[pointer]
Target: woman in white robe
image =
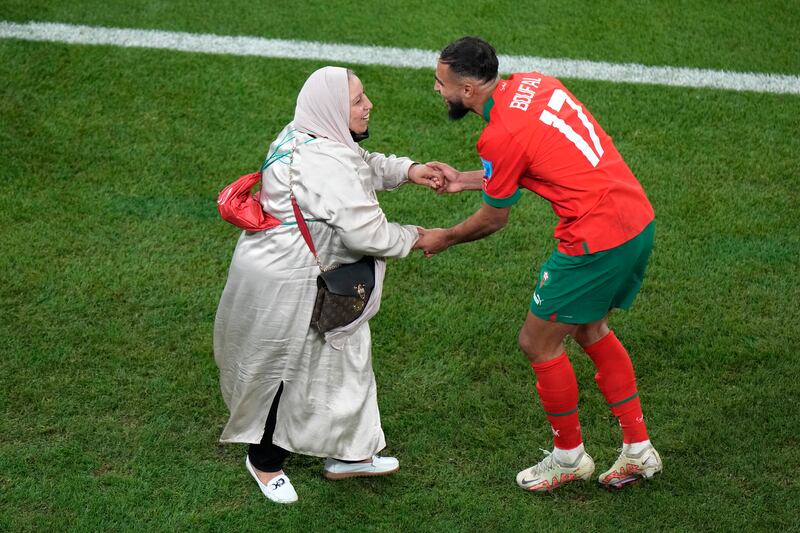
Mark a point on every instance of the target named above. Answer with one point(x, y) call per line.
point(320, 396)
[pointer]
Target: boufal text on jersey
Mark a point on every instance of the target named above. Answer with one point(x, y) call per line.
point(525, 92)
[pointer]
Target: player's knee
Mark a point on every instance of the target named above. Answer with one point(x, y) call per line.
point(587, 334)
point(529, 346)
point(525, 342)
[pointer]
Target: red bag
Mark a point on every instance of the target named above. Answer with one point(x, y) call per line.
point(240, 207)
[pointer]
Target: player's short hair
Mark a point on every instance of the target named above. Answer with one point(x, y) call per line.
point(471, 57)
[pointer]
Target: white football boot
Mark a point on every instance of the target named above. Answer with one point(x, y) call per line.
point(550, 474)
point(630, 468)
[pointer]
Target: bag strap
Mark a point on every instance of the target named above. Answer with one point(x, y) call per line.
point(301, 223)
point(300, 219)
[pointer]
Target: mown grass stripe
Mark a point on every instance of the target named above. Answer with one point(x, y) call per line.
point(395, 57)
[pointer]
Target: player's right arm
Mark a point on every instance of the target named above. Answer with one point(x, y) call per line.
point(482, 223)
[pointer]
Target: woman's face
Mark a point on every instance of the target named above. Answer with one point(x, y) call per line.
point(359, 106)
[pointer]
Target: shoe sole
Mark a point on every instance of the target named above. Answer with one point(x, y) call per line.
point(344, 475)
point(619, 484)
point(551, 488)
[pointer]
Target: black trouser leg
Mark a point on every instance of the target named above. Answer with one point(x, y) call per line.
point(265, 456)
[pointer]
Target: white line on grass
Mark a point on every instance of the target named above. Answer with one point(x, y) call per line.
point(394, 57)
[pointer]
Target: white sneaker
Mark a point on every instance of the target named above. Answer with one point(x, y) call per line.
point(550, 473)
point(379, 466)
point(629, 468)
point(278, 489)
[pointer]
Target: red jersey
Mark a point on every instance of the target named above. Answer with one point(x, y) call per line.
point(541, 138)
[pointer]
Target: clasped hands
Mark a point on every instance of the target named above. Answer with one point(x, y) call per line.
point(442, 178)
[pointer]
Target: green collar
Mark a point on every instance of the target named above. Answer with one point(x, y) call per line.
point(487, 108)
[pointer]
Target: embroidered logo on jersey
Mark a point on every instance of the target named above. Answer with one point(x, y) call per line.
point(503, 86)
point(537, 299)
point(487, 169)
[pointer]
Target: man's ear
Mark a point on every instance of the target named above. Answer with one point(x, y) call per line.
point(469, 90)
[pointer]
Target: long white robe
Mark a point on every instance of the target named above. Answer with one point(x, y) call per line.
point(262, 337)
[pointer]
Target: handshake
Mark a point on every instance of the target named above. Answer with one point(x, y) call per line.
point(442, 178)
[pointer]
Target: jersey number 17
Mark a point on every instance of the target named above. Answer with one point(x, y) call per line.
point(557, 101)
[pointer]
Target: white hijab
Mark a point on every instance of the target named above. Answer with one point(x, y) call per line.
point(323, 106)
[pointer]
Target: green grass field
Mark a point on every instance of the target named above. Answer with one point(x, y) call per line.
point(113, 260)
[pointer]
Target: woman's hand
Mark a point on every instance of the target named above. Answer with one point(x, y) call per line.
point(433, 241)
point(427, 176)
point(452, 178)
point(456, 181)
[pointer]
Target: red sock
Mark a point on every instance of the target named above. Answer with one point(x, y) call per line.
point(617, 382)
point(558, 391)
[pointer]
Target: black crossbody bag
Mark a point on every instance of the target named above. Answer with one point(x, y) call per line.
point(342, 290)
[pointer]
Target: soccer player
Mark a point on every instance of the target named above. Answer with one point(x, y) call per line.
point(539, 137)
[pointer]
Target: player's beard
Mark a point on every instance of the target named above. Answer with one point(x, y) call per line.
point(456, 110)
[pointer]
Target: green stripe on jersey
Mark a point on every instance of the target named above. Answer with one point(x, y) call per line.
point(487, 108)
point(502, 202)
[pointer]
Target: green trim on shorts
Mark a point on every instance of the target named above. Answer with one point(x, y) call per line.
point(584, 288)
point(502, 202)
